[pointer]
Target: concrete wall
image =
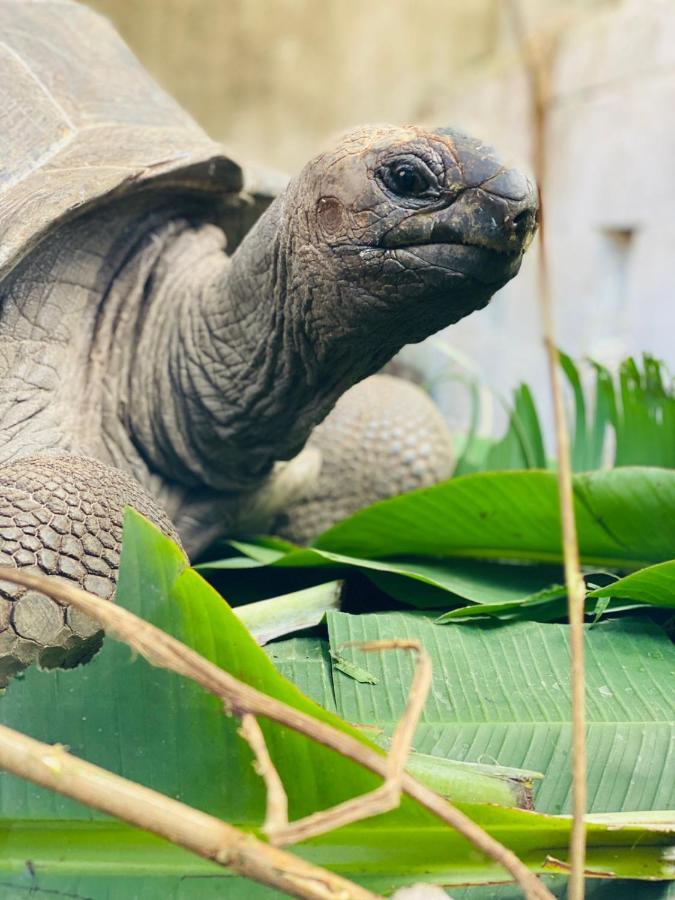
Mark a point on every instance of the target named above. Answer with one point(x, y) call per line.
point(610, 195)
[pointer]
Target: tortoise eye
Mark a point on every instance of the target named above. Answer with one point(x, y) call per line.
point(408, 178)
point(408, 181)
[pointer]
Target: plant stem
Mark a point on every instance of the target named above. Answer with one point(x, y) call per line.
point(54, 768)
point(273, 618)
point(576, 594)
point(538, 60)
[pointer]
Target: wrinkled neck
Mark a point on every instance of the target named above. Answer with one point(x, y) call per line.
point(234, 367)
point(257, 355)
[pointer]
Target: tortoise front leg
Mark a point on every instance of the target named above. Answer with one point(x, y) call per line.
point(385, 436)
point(62, 516)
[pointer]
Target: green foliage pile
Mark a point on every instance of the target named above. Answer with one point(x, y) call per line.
point(472, 568)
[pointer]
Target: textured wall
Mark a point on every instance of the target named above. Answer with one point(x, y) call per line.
point(273, 78)
point(610, 196)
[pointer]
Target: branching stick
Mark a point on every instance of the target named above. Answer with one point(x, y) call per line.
point(382, 799)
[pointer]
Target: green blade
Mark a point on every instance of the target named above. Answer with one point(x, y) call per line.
point(625, 518)
point(654, 585)
point(580, 452)
point(278, 616)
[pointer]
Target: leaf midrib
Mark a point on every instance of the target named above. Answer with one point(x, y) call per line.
point(521, 723)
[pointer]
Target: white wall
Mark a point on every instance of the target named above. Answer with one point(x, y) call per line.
point(610, 198)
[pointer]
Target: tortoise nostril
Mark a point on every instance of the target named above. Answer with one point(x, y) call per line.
point(523, 222)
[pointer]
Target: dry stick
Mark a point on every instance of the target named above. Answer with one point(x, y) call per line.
point(52, 767)
point(401, 744)
point(164, 651)
point(388, 795)
point(276, 813)
point(537, 64)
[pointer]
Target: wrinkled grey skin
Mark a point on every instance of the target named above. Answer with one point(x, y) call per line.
point(332, 281)
point(139, 363)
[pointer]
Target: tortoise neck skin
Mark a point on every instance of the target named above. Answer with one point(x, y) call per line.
point(240, 365)
point(391, 236)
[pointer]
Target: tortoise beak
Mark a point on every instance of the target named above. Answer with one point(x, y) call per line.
point(493, 206)
point(479, 217)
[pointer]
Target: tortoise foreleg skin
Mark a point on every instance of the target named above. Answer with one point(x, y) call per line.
point(61, 516)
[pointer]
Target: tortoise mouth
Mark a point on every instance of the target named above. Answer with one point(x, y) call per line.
point(483, 264)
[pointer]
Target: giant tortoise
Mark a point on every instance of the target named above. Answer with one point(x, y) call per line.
point(171, 332)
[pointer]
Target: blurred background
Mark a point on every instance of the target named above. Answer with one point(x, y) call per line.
point(275, 79)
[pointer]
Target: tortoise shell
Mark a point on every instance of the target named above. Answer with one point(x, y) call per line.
point(83, 122)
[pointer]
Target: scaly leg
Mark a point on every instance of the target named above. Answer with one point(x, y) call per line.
point(385, 436)
point(61, 515)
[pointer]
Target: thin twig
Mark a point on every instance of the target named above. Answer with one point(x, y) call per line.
point(276, 815)
point(388, 795)
point(401, 743)
point(164, 651)
point(54, 768)
point(381, 800)
point(538, 60)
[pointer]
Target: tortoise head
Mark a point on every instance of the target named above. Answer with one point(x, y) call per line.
point(418, 228)
point(380, 242)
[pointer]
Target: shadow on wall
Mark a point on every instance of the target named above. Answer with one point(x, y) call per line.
point(273, 79)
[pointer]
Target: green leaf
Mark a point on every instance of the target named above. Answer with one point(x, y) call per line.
point(602, 604)
point(418, 582)
point(547, 605)
point(595, 889)
point(581, 458)
point(197, 887)
point(544, 606)
point(645, 425)
point(522, 447)
point(654, 585)
point(163, 731)
point(501, 695)
point(261, 551)
point(625, 518)
point(192, 611)
point(306, 661)
point(474, 782)
point(116, 861)
point(441, 583)
point(640, 409)
point(635, 506)
point(605, 415)
point(475, 448)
